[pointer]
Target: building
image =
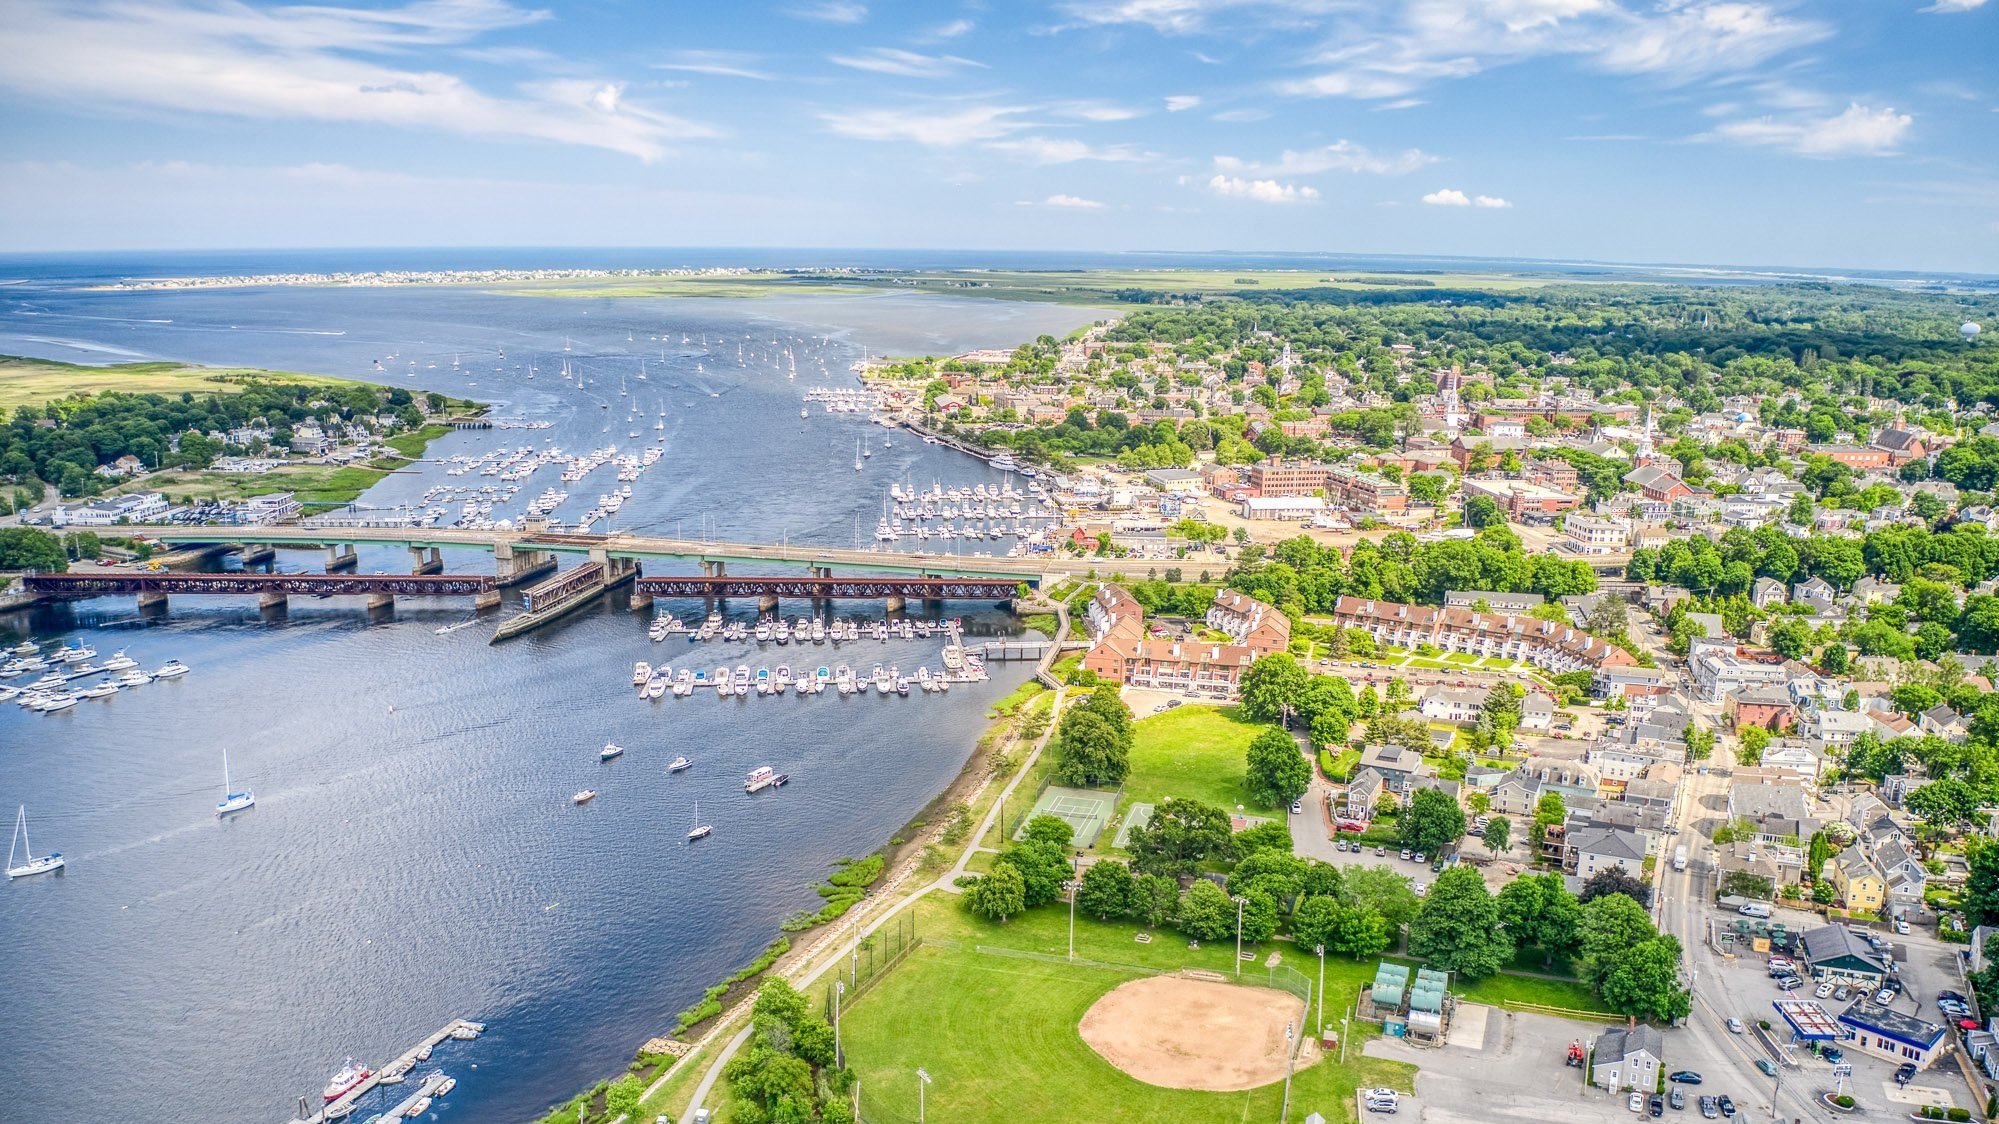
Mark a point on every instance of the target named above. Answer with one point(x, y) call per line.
point(1546, 644)
point(1890, 1034)
point(1458, 705)
point(272, 507)
point(1587, 534)
point(136, 508)
point(1120, 651)
point(1495, 602)
point(1279, 507)
point(1722, 668)
point(1627, 1057)
point(1860, 885)
point(1365, 492)
point(1521, 500)
point(1249, 622)
point(1398, 767)
point(1836, 954)
point(1857, 457)
point(1537, 712)
point(1766, 706)
point(1592, 848)
point(1274, 477)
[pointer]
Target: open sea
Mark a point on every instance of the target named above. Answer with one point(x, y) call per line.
point(413, 856)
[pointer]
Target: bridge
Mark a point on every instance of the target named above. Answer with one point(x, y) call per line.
point(271, 589)
point(532, 553)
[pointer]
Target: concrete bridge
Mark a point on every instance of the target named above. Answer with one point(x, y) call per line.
point(272, 590)
point(523, 555)
point(895, 591)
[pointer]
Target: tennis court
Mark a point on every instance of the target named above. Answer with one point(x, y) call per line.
point(1085, 810)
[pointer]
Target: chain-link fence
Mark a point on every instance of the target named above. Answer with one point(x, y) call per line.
point(873, 955)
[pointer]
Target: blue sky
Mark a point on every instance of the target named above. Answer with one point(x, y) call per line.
point(1856, 133)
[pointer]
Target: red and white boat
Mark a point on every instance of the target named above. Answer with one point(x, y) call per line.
point(344, 1081)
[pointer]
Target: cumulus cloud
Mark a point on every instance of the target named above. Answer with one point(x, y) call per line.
point(1858, 130)
point(1954, 5)
point(904, 64)
point(1448, 197)
point(1177, 102)
point(313, 63)
point(1261, 191)
point(1340, 156)
point(1071, 202)
point(1492, 201)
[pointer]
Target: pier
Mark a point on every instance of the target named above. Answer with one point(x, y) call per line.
point(567, 592)
point(272, 590)
point(340, 1109)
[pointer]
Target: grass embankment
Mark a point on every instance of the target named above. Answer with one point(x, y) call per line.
point(998, 1035)
point(33, 382)
point(317, 486)
point(1191, 753)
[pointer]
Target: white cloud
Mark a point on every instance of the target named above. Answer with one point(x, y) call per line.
point(1954, 5)
point(953, 29)
point(1261, 191)
point(1858, 130)
point(1095, 111)
point(1072, 202)
point(723, 64)
point(1168, 17)
point(1235, 116)
point(1177, 102)
point(906, 64)
point(1340, 156)
point(1491, 201)
point(943, 128)
point(1448, 197)
point(831, 11)
point(1068, 150)
point(309, 63)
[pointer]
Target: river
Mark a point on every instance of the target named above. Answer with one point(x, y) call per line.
point(413, 855)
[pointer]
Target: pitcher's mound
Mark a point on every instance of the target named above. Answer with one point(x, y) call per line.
point(1193, 1034)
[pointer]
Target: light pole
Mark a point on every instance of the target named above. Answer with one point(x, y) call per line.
point(1072, 885)
point(1290, 1063)
point(922, 1079)
point(1321, 950)
point(839, 989)
point(1239, 902)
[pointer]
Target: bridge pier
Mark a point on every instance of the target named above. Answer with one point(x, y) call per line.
point(641, 601)
point(894, 604)
point(426, 562)
point(714, 569)
point(152, 599)
point(767, 603)
point(617, 571)
point(255, 552)
point(518, 565)
point(273, 601)
point(343, 557)
point(485, 601)
point(381, 601)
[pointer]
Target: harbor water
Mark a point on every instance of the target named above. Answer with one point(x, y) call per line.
point(413, 855)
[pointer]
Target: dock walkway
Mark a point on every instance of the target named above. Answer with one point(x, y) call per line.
point(344, 1107)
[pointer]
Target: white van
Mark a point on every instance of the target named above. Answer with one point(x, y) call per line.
point(1754, 909)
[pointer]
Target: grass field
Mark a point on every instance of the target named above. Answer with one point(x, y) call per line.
point(31, 382)
point(998, 1035)
point(1192, 753)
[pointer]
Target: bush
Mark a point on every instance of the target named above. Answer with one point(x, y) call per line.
point(1959, 1114)
point(1843, 1100)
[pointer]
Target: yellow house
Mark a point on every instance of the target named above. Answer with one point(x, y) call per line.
point(1860, 886)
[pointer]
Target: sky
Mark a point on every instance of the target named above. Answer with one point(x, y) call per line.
point(1827, 133)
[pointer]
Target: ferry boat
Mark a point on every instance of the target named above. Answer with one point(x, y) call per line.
point(763, 777)
point(678, 764)
point(584, 797)
point(350, 1075)
point(610, 750)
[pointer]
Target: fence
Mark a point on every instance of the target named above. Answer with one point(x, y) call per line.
point(874, 955)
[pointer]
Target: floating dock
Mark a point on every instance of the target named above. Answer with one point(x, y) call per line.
point(464, 1029)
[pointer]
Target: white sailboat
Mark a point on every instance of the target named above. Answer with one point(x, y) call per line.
point(33, 865)
point(232, 801)
point(699, 830)
point(857, 455)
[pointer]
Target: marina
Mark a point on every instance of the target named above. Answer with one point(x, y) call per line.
point(354, 1082)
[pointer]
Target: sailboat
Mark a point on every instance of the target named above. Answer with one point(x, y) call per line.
point(232, 801)
point(699, 830)
point(857, 454)
point(43, 865)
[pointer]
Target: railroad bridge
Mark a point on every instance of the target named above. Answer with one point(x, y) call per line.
point(271, 589)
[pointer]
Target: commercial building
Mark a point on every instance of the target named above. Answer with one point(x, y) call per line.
point(1587, 534)
point(1836, 954)
point(1890, 1034)
point(1365, 492)
point(1279, 507)
point(1522, 500)
point(1627, 1058)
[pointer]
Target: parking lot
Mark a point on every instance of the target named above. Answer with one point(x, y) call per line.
point(1511, 1071)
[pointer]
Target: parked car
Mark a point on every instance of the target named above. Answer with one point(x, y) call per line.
point(1686, 1077)
point(1885, 996)
point(1726, 1106)
point(1708, 1108)
point(1418, 858)
point(1905, 1073)
point(1790, 983)
point(1833, 1055)
point(1677, 1099)
point(1404, 853)
point(1380, 852)
point(1768, 1067)
point(1901, 927)
point(1297, 807)
point(1823, 991)
point(1657, 1105)
point(1636, 1103)
point(1842, 994)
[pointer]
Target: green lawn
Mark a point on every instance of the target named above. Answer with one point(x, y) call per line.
point(998, 1035)
point(1191, 753)
point(31, 382)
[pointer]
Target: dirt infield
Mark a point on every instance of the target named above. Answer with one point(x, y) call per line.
point(1193, 1034)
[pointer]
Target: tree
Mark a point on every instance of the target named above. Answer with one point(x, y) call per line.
point(1091, 748)
point(1945, 802)
point(1615, 880)
point(1271, 835)
point(1643, 980)
point(24, 548)
point(1154, 899)
point(1359, 933)
point(1206, 913)
point(1498, 835)
point(1482, 511)
point(1043, 868)
point(1548, 811)
point(1106, 891)
point(1181, 834)
point(1609, 925)
point(1277, 773)
point(1053, 830)
point(1259, 916)
point(1981, 889)
point(1270, 687)
point(1610, 616)
point(1457, 928)
point(1280, 874)
point(998, 895)
point(1538, 910)
point(1315, 920)
point(1431, 822)
point(1383, 891)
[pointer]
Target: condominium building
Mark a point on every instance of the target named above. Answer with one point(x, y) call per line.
point(1548, 644)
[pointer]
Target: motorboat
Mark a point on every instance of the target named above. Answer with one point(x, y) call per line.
point(119, 661)
point(172, 669)
point(133, 678)
point(584, 797)
point(655, 687)
point(100, 691)
point(763, 681)
point(350, 1075)
point(610, 750)
point(641, 671)
point(678, 765)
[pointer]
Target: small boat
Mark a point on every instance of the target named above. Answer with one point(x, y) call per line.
point(350, 1075)
point(763, 777)
point(172, 669)
point(421, 1106)
point(641, 671)
point(678, 764)
point(100, 691)
point(656, 686)
point(445, 1086)
point(232, 801)
point(31, 865)
point(584, 797)
point(423, 1055)
point(763, 681)
point(699, 830)
point(119, 661)
point(610, 750)
point(467, 1030)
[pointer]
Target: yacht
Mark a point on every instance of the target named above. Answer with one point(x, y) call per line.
point(880, 680)
point(818, 632)
point(1005, 463)
point(781, 682)
point(723, 687)
point(740, 682)
point(610, 750)
point(641, 671)
point(820, 679)
point(30, 865)
point(350, 1075)
point(172, 669)
point(584, 797)
point(119, 661)
point(843, 680)
point(24, 648)
point(683, 684)
point(763, 681)
point(56, 703)
point(678, 764)
point(763, 631)
point(100, 691)
point(763, 777)
point(655, 687)
point(133, 678)
point(74, 655)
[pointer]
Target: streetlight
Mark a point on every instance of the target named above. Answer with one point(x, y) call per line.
point(1072, 885)
point(1321, 951)
point(839, 989)
point(922, 1079)
point(1240, 901)
point(1290, 1063)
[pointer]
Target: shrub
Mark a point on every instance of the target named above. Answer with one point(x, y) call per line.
point(1959, 1114)
point(1843, 1100)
